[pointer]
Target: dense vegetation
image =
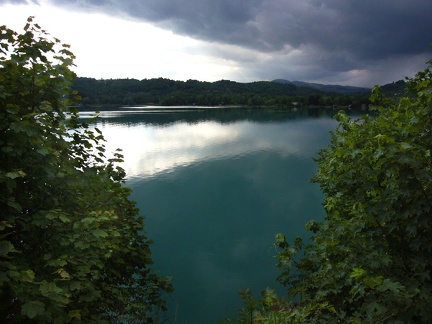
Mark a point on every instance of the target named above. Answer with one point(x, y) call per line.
point(331, 88)
point(72, 247)
point(395, 89)
point(167, 92)
point(370, 260)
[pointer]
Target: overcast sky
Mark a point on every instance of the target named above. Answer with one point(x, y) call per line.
point(349, 42)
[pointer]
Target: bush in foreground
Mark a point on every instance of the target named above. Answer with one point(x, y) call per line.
point(72, 247)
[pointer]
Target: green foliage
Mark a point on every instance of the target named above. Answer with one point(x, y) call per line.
point(268, 310)
point(72, 247)
point(370, 258)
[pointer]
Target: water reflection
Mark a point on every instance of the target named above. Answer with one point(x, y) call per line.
point(150, 148)
point(164, 116)
point(215, 187)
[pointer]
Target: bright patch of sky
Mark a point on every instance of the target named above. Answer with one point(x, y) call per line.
point(111, 47)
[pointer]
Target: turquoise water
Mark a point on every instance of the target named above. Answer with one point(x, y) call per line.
point(215, 187)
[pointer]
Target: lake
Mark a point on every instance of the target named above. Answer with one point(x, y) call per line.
point(215, 186)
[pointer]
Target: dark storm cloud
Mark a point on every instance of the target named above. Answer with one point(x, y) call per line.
point(369, 28)
point(343, 35)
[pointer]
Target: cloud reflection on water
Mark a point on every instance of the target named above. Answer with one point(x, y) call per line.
point(150, 150)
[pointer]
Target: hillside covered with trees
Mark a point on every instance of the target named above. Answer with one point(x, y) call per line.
point(166, 92)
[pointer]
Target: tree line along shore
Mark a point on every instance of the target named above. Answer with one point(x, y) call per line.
point(166, 92)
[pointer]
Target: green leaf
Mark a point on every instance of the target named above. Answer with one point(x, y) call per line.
point(4, 225)
point(99, 233)
point(6, 247)
point(32, 309)
point(64, 218)
point(13, 204)
point(75, 285)
point(75, 314)
point(47, 288)
point(88, 220)
point(395, 287)
point(16, 174)
point(375, 307)
point(405, 145)
point(62, 273)
point(27, 276)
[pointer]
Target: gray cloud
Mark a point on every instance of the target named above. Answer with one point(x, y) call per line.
point(339, 35)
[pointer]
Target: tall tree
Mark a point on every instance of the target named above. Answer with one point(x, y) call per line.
point(72, 245)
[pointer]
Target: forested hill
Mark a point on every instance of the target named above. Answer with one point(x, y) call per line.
point(332, 88)
point(168, 92)
point(394, 89)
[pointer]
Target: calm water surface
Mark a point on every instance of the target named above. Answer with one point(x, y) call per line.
point(215, 187)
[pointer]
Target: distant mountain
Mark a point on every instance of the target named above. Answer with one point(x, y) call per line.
point(325, 87)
